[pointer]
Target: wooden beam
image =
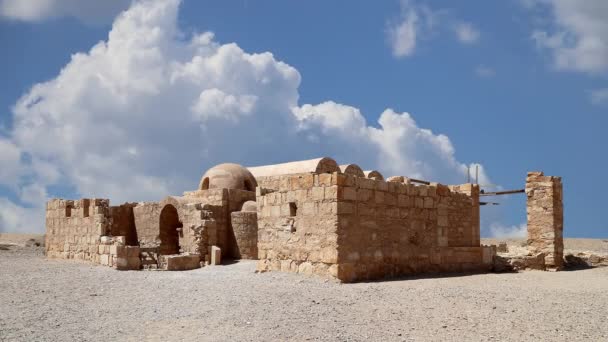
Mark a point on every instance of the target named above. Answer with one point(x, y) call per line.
point(419, 181)
point(507, 192)
point(488, 203)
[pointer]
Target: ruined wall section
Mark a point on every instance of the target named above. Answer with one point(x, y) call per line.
point(74, 228)
point(545, 217)
point(146, 217)
point(122, 223)
point(466, 229)
point(245, 228)
point(224, 201)
point(297, 224)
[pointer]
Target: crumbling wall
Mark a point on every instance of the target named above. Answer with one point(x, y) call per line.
point(545, 217)
point(354, 228)
point(224, 202)
point(74, 228)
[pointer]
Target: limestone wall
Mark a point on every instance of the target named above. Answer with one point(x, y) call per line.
point(146, 216)
point(298, 225)
point(545, 217)
point(224, 202)
point(122, 223)
point(245, 228)
point(74, 228)
point(392, 228)
point(354, 228)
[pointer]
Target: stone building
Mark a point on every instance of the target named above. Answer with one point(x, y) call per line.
point(311, 217)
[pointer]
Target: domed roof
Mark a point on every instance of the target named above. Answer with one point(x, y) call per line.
point(250, 206)
point(228, 176)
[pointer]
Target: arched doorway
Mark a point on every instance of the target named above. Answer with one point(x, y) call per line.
point(168, 230)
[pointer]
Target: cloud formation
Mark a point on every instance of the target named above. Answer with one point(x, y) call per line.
point(577, 35)
point(484, 71)
point(599, 97)
point(146, 112)
point(466, 33)
point(509, 232)
point(403, 33)
point(417, 21)
point(94, 12)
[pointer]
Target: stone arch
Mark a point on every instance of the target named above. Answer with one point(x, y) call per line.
point(169, 228)
point(205, 184)
point(373, 174)
point(249, 186)
point(353, 170)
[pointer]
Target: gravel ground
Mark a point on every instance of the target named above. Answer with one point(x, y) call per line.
point(58, 300)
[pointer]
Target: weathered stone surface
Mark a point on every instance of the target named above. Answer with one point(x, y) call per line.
point(245, 230)
point(369, 229)
point(181, 262)
point(545, 217)
point(216, 255)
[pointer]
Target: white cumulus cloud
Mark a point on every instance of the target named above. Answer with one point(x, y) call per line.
point(94, 12)
point(144, 113)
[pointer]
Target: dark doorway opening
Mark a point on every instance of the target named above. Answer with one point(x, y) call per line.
point(169, 233)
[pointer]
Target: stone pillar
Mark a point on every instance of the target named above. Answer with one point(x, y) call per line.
point(545, 217)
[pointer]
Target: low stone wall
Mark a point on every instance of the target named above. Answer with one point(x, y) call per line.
point(114, 253)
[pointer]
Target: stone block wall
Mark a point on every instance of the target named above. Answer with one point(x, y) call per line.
point(545, 217)
point(224, 202)
point(298, 224)
point(354, 228)
point(245, 228)
point(122, 223)
point(74, 228)
point(472, 191)
point(146, 216)
point(114, 253)
point(388, 229)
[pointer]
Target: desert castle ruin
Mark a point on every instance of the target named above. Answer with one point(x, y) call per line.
point(311, 217)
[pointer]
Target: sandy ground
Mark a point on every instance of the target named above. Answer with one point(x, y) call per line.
point(59, 300)
point(597, 246)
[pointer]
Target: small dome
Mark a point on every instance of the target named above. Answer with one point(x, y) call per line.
point(250, 206)
point(228, 176)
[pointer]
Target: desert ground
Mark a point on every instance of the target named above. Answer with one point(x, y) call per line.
point(59, 300)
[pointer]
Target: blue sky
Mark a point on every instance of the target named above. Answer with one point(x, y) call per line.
point(512, 85)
